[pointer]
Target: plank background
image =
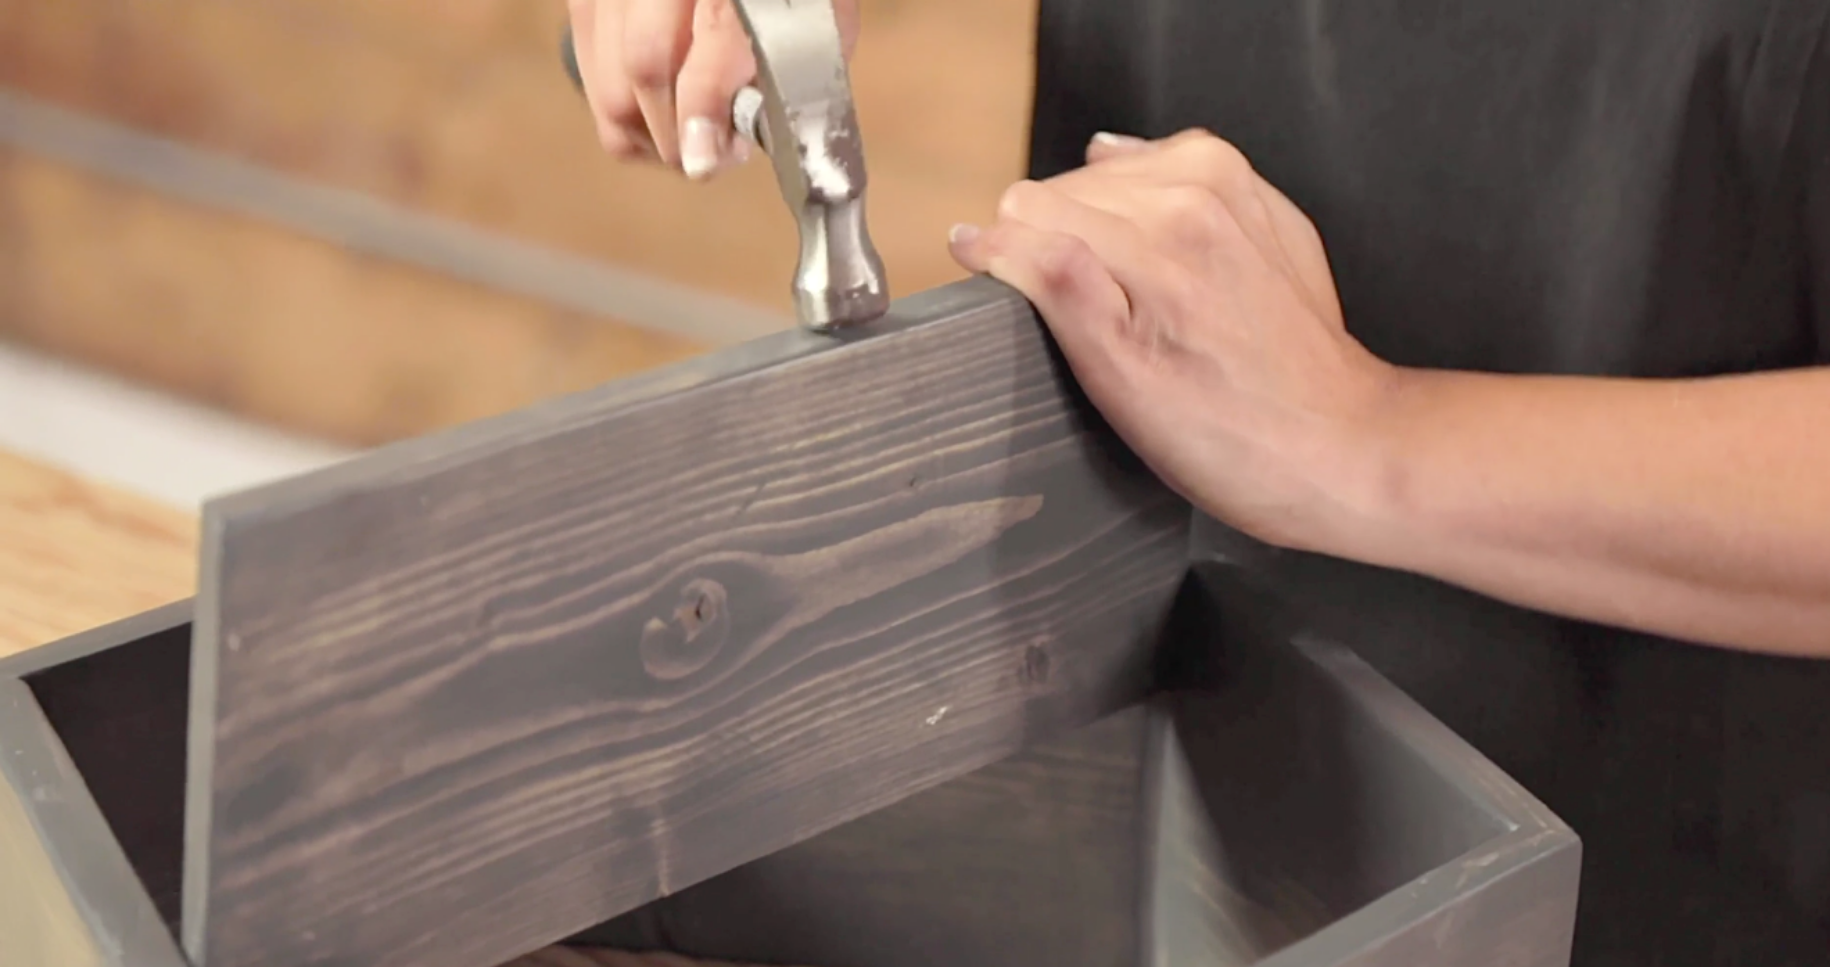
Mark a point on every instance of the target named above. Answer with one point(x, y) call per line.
point(456, 108)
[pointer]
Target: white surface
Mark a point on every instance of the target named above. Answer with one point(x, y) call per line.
point(109, 430)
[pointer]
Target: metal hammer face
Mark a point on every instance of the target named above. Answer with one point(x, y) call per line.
point(809, 127)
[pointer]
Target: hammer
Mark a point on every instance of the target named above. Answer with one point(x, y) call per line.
point(802, 116)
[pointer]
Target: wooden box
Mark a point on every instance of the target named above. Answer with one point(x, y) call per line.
point(863, 651)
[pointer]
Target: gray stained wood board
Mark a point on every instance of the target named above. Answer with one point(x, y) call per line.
point(473, 692)
point(1310, 814)
point(1279, 804)
point(1032, 861)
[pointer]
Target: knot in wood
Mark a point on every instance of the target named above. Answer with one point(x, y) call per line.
point(1035, 664)
point(689, 637)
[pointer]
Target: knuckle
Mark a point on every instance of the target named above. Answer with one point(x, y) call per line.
point(649, 62)
point(1021, 199)
point(1218, 163)
point(710, 78)
point(617, 143)
point(648, 73)
point(611, 141)
point(1063, 261)
point(714, 15)
point(619, 108)
point(1197, 215)
point(1221, 156)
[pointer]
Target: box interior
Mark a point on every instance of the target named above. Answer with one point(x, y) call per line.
point(122, 714)
point(1250, 806)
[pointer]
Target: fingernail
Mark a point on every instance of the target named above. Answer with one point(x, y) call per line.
point(740, 151)
point(1111, 140)
point(962, 234)
point(699, 147)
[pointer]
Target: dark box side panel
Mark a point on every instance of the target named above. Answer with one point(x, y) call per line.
point(1309, 794)
point(122, 714)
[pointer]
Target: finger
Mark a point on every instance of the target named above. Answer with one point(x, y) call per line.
point(847, 13)
point(584, 55)
point(597, 45)
point(1192, 170)
point(1190, 157)
point(1118, 241)
point(1150, 281)
point(719, 62)
point(656, 36)
point(1107, 144)
point(1071, 287)
point(1276, 227)
point(1189, 217)
point(581, 19)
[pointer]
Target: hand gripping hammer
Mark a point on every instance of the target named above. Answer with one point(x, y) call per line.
point(801, 113)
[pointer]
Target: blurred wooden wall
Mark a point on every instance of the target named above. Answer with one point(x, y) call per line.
point(450, 108)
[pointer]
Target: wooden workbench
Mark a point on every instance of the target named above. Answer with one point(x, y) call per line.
point(75, 554)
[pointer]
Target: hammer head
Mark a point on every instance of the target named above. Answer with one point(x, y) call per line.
point(805, 120)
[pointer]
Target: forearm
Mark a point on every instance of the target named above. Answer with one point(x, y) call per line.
point(1698, 509)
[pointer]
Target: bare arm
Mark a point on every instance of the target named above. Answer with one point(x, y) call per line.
point(1698, 509)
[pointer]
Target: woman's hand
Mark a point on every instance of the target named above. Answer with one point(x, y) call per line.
point(660, 76)
point(1195, 305)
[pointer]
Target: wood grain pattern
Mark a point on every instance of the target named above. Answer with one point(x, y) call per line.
point(75, 554)
point(1281, 806)
point(473, 692)
point(275, 326)
point(1034, 861)
point(82, 855)
point(460, 108)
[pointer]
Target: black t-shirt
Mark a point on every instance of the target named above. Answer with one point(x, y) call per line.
point(1619, 187)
